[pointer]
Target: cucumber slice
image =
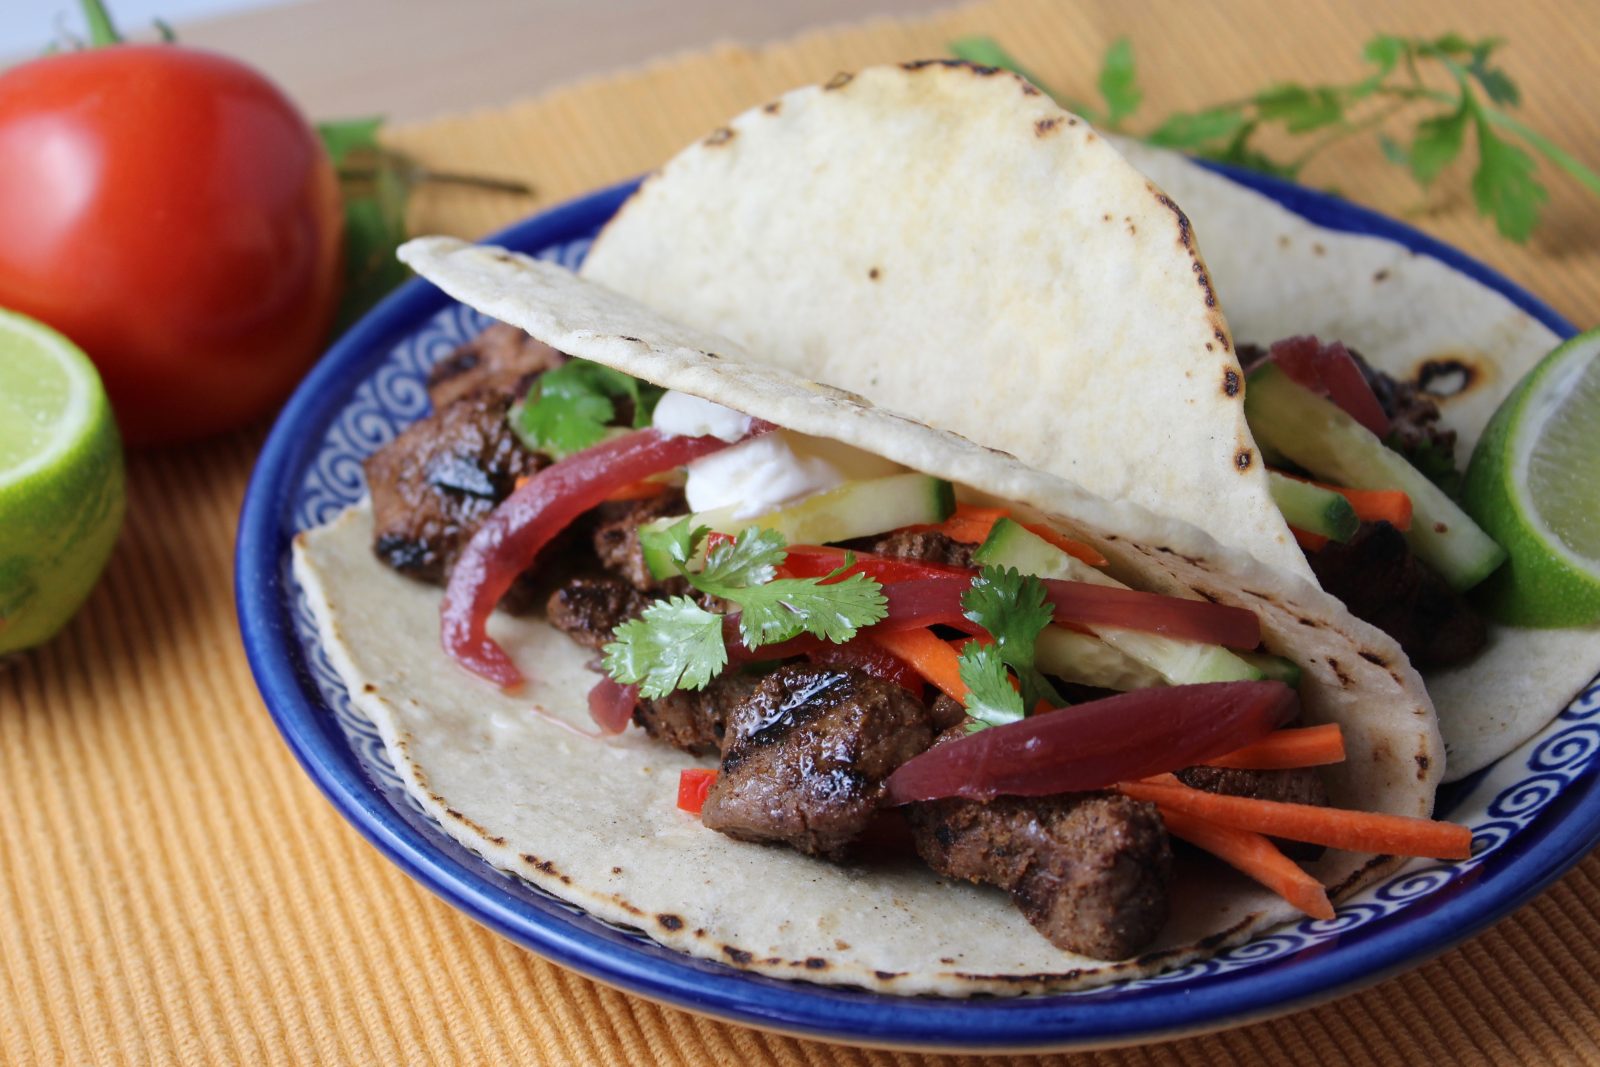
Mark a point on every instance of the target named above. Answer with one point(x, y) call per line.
point(1317, 435)
point(854, 509)
point(1273, 668)
point(1009, 544)
point(1312, 508)
point(1087, 660)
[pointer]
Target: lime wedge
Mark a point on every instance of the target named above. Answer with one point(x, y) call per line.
point(61, 482)
point(1534, 485)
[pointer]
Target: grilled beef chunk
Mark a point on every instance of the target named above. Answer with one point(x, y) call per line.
point(616, 536)
point(1300, 786)
point(928, 545)
point(695, 719)
point(1089, 870)
point(501, 359)
point(806, 755)
point(945, 712)
point(1380, 581)
point(588, 609)
point(433, 485)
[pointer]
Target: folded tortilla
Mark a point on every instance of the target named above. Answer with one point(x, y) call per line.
point(593, 820)
point(943, 239)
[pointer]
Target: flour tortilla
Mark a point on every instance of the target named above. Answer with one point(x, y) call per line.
point(948, 242)
point(594, 821)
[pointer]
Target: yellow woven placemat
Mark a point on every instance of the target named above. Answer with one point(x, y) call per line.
point(174, 890)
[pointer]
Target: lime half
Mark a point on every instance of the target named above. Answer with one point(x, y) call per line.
point(1534, 485)
point(61, 487)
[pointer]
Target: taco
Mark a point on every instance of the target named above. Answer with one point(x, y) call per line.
point(943, 239)
point(812, 700)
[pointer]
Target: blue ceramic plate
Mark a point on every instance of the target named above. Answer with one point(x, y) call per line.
point(1533, 814)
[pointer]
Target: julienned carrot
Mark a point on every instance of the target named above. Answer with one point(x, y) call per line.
point(1355, 831)
point(1075, 549)
point(1309, 541)
point(641, 490)
point(1392, 506)
point(1307, 746)
point(1254, 855)
point(971, 524)
point(930, 657)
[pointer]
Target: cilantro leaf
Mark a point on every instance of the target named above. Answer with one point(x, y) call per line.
point(1299, 108)
point(1503, 185)
point(675, 644)
point(1193, 129)
point(1437, 143)
point(991, 701)
point(1014, 608)
point(750, 559)
point(677, 543)
point(790, 607)
point(568, 409)
point(1118, 87)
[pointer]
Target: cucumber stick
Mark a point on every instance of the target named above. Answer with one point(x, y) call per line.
point(1176, 661)
point(1312, 508)
point(854, 509)
point(1317, 435)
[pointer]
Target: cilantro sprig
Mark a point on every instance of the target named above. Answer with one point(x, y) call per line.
point(677, 644)
point(1446, 87)
point(570, 408)
point(1014, 608)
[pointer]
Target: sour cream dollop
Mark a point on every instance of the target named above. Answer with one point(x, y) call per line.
point(764, 473)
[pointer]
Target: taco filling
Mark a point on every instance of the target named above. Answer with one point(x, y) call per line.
point(877, 659)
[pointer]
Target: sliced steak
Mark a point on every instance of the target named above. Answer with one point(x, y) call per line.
point(695, 719)
point(501, 359)
point(805, 757)
point(1381, 581)
point(1300, 786)
point(589, 609)
point(433, 485)
point(616, 536)
point(930, 546)
point(1090, 871)
point(945, 712)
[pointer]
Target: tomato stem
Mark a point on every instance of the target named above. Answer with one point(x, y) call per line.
point(102, 31)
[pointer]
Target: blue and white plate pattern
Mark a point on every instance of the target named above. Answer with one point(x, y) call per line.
point(1533, 814)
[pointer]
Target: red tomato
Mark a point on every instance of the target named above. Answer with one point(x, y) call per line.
point(170, 211)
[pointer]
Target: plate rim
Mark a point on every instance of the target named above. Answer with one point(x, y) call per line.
point(1555, 840)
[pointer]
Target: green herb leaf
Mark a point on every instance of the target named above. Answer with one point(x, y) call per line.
point(1386, 51)
point(675, 644)
point(375, 186)
point(1436, 144)
point(750, 559)
point(677, 542)
point(1194, 129)
point(1015, 609)
point(991, 701)
point(1118, 87)
point(1300, 109)
point(1503, 185)
point(789, 607)
point(570, 408)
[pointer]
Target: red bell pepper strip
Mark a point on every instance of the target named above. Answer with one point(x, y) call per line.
point(526, 521)
point(693, 785)
point(818, 561)
point(1098, 744)
point(870, 658)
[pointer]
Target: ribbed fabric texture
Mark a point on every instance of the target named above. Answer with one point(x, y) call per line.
point(174, 890)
